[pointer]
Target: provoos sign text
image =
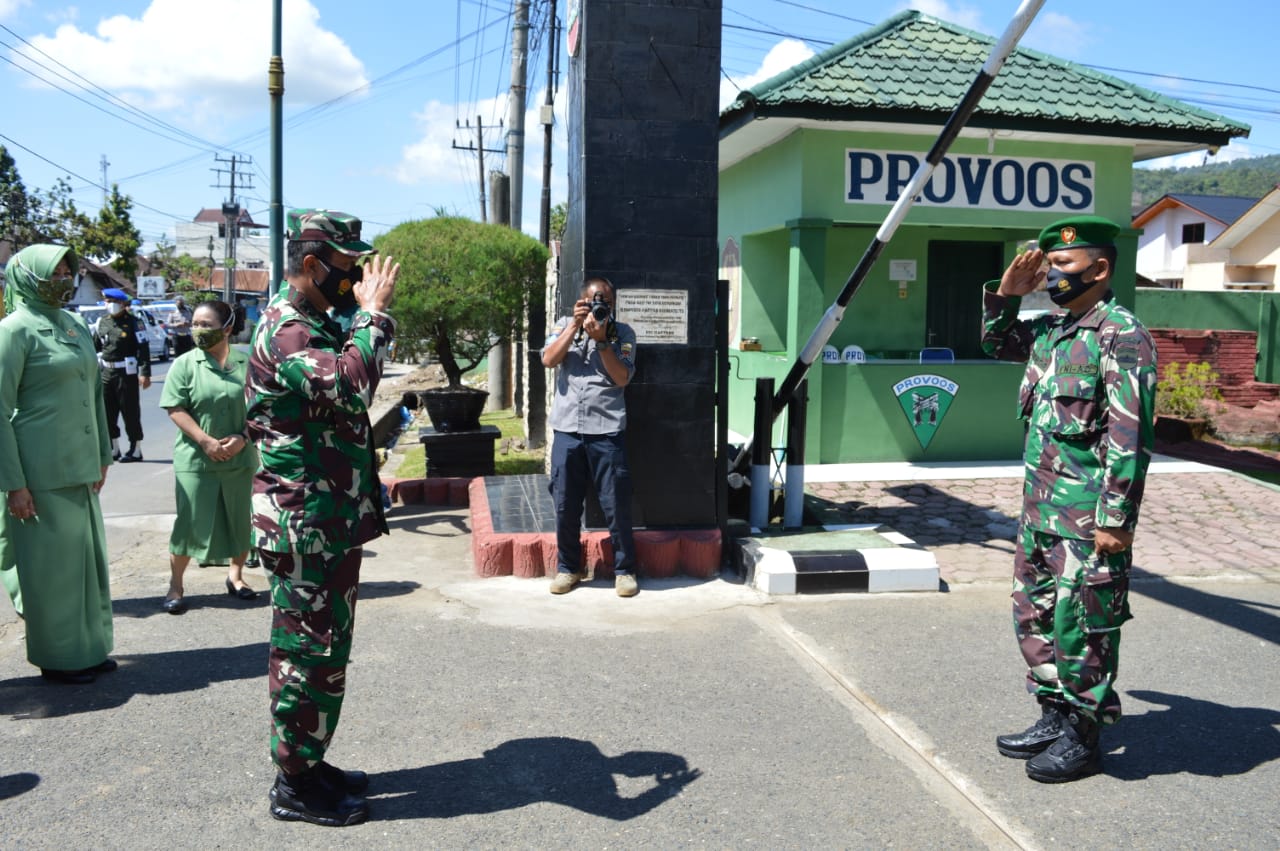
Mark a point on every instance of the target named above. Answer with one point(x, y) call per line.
point(974, 181)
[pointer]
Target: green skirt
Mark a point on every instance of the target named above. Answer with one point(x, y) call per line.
point(214, 514)
point(62, 568)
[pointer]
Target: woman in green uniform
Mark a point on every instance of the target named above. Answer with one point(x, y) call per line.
point(213, 463)
point(54, 454)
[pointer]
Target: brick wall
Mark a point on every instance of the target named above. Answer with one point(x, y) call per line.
point(1231, 354)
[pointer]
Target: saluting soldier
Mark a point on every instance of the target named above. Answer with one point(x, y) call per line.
point(124, 355)
point(1088, 401)
point(316, 496)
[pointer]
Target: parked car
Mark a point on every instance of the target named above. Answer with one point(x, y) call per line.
point(158, 336)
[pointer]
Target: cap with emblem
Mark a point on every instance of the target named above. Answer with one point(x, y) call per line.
point(1078, 232)
point(114, 295)
point(338, 230)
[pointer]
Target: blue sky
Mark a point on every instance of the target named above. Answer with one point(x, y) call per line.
point(374, 90)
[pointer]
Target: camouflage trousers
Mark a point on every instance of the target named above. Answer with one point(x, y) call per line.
point(313, 606)
point(1068, 604)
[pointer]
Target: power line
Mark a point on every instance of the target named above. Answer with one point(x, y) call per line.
point(109, 95)
point(92, 183)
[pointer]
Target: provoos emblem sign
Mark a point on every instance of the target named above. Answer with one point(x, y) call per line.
point(925, 399)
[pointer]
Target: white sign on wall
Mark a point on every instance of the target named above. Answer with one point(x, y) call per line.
point(657, 316)
point(972, 181)
point(150, 286)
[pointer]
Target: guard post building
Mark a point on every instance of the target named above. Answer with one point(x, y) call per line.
point(812, 160)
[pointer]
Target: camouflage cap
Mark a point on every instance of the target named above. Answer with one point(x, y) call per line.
point(339, 230)
point(1078, 232)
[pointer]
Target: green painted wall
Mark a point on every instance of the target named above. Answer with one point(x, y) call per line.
point(764, 288)
point(862, 420)
point(1222, 311)
point(823, 174)
point(776, 205)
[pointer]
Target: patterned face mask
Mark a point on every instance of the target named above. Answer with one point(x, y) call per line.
point(207, 338)
point(56, 292)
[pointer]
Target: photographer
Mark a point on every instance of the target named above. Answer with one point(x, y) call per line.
point(596, 359)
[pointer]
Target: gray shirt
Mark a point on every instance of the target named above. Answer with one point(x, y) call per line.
point(587, 401)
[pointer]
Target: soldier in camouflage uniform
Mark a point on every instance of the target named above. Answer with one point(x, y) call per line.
point(316, 495)
point(1088, 401)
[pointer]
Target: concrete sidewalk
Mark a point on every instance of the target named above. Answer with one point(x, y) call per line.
point(492, 714)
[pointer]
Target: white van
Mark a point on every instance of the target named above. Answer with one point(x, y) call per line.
point(158, 337)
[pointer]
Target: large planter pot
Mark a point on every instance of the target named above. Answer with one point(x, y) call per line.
point(1179, 429)
point(454, 408)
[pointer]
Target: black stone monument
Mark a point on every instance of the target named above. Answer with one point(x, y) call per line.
point(643, 183)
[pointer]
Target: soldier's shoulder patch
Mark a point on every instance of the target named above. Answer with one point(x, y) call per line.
point(626, 350)
point(1128, 351)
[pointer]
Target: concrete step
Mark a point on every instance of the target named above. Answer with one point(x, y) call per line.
point(866, 558)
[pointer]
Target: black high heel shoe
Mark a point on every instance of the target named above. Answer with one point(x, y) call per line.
point(244, 592)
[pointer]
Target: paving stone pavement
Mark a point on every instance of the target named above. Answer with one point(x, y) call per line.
point(1192, 524)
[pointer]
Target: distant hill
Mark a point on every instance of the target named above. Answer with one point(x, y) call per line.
point(1249, 178)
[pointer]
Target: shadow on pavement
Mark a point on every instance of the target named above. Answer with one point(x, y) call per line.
point(1193, 736)
point(388, 588)
point(13, 785)
point(934, 517)
point(1244, 615)
point(170, 672)
point(420, 520)
point(525, 771)
point(145, 607)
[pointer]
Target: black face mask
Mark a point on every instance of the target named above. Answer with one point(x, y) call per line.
point(338, 285)
point(1066, 287)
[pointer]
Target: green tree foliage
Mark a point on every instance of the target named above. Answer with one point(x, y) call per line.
point(55, 217)
point(559, 220)
point(15, 205)
point(1249, 178)
point(463, 286)
point(113, 236)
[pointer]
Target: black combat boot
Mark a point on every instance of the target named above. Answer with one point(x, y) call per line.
point(352, 781)
point(1039, 735)
point(310, 797)
point(1074, 755)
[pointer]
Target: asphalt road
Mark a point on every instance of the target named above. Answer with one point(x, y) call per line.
point(491, 714)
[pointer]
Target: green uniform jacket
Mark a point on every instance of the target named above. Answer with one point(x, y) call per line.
point(309, 388)
point(124, 336)
point(1088, 400)
point(50, 403)
point(214, 397)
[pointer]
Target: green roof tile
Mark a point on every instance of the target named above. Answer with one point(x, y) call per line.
point(915, 68)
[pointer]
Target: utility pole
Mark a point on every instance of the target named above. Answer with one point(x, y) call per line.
point(480, 149)
point(500, 360)
point(103, 164)
point(275, 88)
point(231, 212)
point(499, 355)
point(515, 107)
point(536, 421)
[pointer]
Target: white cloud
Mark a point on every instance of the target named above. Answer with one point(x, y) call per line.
point(432, 157)
point(1235, 151)
point(203, 60)
point(1060, 35)
point(9, 7)
point(965, 16)
point(780, 57)
point(446, 171)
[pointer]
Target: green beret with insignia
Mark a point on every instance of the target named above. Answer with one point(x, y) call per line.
point(1078, 232)
point(339, 230)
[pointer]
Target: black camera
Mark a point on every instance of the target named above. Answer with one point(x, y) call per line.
point(600, 309)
